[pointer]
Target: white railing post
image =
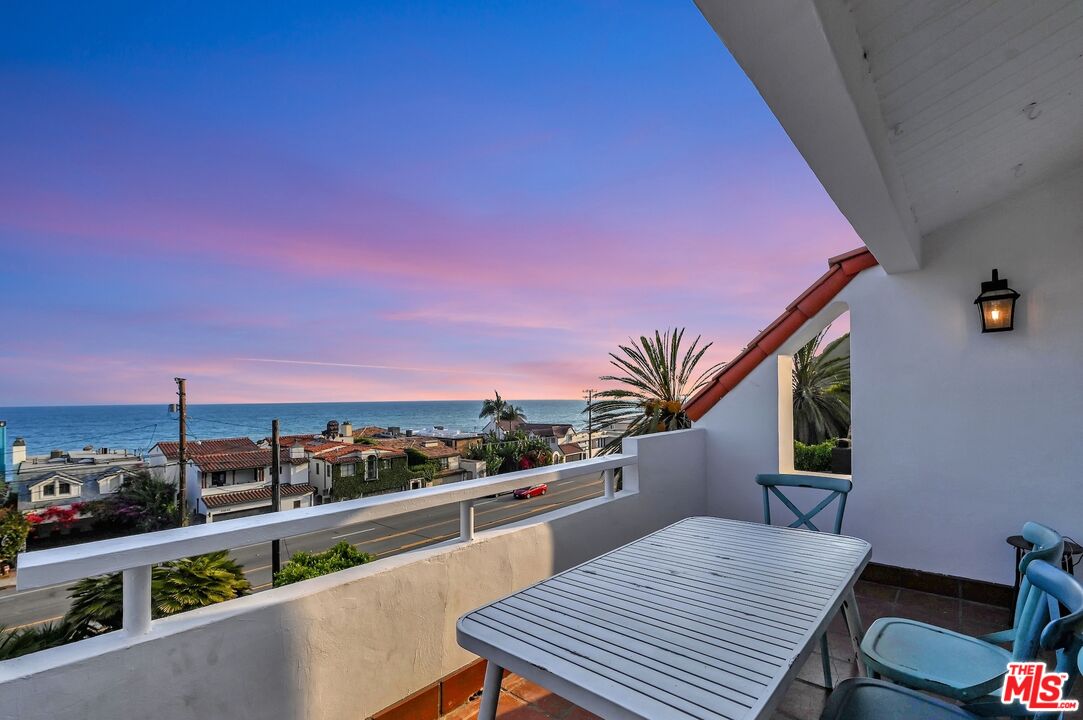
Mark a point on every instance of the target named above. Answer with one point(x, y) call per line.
point(136, 599)
point(610, 484)
point(466, 520)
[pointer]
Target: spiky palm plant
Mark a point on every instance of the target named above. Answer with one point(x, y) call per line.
point(23, 641)
point(198, 581)
point(177, 586)
point(821, 390)
point(657, 376)
point(96, 604)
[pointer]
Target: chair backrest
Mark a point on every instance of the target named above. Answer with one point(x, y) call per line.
point(1060, 631)
point(1048, 546)
point(836, 487)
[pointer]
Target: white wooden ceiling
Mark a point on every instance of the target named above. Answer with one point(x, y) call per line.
point(980, 97)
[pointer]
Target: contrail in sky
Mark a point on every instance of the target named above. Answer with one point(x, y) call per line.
point(401, 368)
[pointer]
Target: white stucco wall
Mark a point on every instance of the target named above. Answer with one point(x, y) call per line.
point(959, 437)
point(349, 644)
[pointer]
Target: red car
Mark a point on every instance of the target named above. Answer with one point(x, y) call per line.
point(529, 492)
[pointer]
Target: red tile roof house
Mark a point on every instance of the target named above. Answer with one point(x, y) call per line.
point(231, 477)
point(949, 157)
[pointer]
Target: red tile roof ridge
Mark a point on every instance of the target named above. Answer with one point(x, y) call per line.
point(841, 269)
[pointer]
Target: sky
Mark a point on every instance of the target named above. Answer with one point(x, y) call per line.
point(302, 202)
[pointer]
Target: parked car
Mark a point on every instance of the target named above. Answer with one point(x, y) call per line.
point(529, 492)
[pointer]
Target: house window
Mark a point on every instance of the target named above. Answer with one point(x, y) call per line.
point(218, 479)
point(49, 490)
point(385, 464)
point(347, 469)
point(65, 488)
point(317, 468)
point(296, 504)
point(443, 463)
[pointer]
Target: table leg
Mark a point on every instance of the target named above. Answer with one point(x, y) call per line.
point(854, 628)
point(490, 694)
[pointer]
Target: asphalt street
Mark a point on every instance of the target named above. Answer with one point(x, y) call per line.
point(388, 536)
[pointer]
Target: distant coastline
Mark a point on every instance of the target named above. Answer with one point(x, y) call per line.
point(138, 427)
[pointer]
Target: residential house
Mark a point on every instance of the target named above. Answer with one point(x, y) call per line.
point(64, 477)
point(429, 450)
point(552, 433)
point(231, 477)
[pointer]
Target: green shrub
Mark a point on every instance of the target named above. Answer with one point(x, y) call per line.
point(304, 565)
point(813, 458)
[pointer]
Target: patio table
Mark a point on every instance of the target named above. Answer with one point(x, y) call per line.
point(706, 618)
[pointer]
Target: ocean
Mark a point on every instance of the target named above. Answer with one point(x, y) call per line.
point(139, 427)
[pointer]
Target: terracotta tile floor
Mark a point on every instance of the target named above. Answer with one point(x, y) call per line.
point(521, 699)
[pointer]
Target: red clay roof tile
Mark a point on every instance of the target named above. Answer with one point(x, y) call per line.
point(841, 269)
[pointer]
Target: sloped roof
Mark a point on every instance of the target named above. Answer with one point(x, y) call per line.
point(841, 270)
point(429, 447)
point(208, 447)
point(255, 495)
point(571, 448)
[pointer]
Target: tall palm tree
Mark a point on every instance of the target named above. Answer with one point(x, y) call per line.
point(493, 407)
point(658, 376)
point(500, 409)
point(513, 413)
point(821, 390)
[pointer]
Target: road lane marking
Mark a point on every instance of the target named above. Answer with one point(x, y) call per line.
point(356, 532)
point(36, 622)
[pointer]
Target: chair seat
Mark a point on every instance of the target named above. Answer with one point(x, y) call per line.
point(865, 699)
point(927, 657)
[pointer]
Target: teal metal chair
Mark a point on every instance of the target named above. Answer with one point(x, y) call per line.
point(963, 668)
point(837, 488)
point(868, 699)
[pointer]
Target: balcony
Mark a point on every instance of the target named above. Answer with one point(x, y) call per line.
point(309, 649)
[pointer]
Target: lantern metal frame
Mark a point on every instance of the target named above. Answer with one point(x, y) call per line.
point(996, 289)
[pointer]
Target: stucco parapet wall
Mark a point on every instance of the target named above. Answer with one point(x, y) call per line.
point(841, 270)
point(390, 624)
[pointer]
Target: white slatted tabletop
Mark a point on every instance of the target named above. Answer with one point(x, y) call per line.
point(707, 618)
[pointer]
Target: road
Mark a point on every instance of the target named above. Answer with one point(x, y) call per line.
point(388, 536)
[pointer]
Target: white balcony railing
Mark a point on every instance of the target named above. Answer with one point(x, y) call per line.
point(135, 555)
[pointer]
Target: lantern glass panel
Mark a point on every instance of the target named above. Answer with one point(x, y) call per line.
point(997, 311)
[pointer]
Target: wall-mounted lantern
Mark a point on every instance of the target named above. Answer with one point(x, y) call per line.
point(996, 305)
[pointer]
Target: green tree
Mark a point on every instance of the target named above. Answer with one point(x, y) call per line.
point(657, 375)
point(821, 390)
point(14, 529)
point(304, 565)
point(499, 409)
point(142, 502)
point(198, 581)
point(176, 586)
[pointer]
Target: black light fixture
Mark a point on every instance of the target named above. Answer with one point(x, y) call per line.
point(996, 305)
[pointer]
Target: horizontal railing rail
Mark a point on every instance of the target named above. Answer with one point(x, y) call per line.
point(134, 555)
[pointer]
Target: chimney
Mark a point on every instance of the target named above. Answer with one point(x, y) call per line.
point(56, 454)
point(347, 429)
point(297, 451)
point(18, 451)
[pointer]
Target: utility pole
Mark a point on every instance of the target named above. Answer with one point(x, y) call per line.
point(276, 494)
point(182, 454)
point(589, 397)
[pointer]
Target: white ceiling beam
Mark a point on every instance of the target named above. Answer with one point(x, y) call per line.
point(807, 62)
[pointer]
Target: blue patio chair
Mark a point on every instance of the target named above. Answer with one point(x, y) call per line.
point(868, 699)
point(958, 666)
point(837, 489)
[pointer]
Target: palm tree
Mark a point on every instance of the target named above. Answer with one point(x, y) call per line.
point(658, 376)
point(177, 586)
point(513, 414)
point(493, 408)
point(23, 641)
point(198, 581)
point(500, 410)
point(821, 390)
